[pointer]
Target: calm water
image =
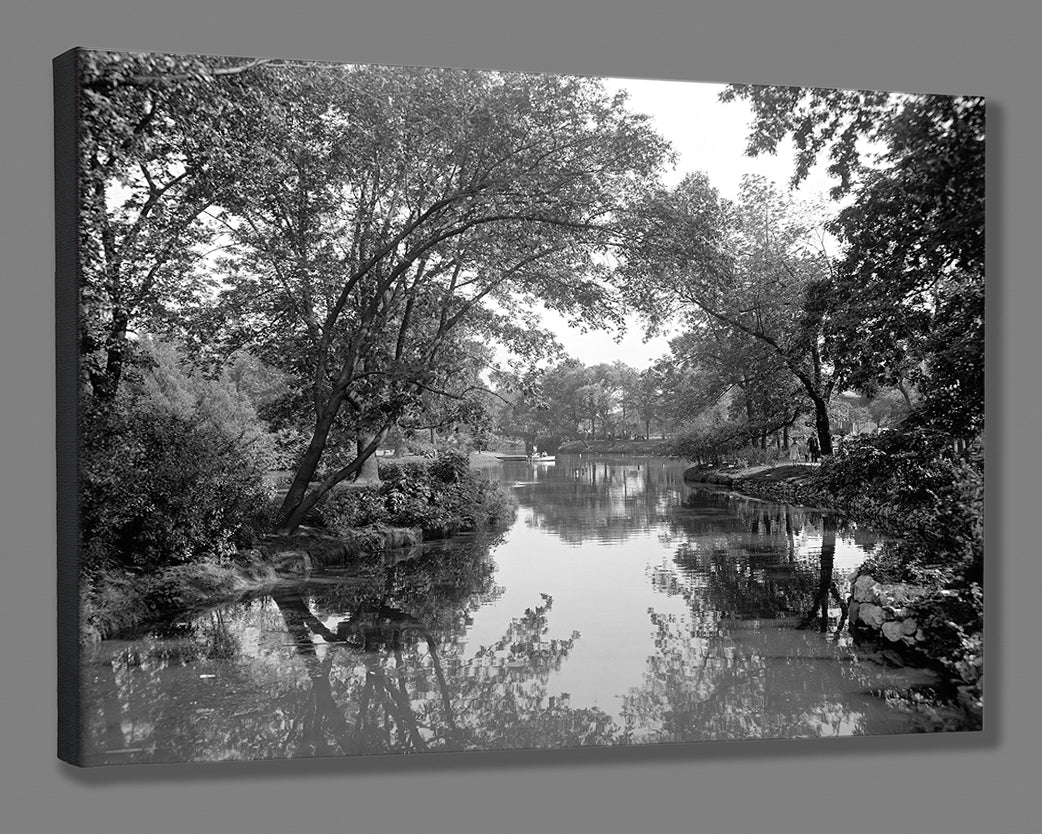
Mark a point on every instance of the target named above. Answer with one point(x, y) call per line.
point(620, 607)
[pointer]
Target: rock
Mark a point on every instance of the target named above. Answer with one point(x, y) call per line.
point(909, 626)
point(866, 589)
point(892, 631)
point(892, 657)
point(871, 615)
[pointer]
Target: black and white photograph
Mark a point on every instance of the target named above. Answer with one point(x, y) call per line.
point(421, 409)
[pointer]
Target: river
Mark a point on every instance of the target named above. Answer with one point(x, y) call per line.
point(621, 606)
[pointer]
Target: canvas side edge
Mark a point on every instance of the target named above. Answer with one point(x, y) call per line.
point(66, 297)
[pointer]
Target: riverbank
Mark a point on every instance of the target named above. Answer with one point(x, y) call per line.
point(925, 619)
point(615, 447)
point(417, 501)
point(790, 483)
point(115, 601)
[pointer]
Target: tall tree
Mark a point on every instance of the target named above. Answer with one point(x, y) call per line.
point(908, 298)
point(156, 141)
point(646, 397)
point(394, 216)
point(755, 268)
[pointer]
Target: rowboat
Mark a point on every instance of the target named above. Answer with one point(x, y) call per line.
point(528, 458)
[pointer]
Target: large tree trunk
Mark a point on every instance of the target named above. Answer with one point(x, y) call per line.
point(370, 471)
point(308, 464)
point(105, 384)
point(822, 425)
point(296, 516)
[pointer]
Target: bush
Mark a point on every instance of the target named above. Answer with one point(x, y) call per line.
point(439, 496)
point(713, 441)
point(755, 456)
point(159, 489)
point(953, 619)
point(930, 496)
point(351, 509)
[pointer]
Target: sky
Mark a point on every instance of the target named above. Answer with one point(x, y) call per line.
point(707, 135)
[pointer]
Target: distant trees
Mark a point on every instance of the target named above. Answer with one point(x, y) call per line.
point(570, 400)
point(906, 306)
point(750, 280)
point(647, 397)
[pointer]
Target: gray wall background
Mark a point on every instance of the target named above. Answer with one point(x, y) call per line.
point(970, 783)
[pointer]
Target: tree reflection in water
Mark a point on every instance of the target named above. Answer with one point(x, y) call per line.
point(744, 665)
point(377, 679)
point(582, 500)
point(418, 694)
point(378, 659)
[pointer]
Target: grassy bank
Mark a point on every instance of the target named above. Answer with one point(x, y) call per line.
point(792, 483)
point(415, 502)
point(615, 447)
point(118, 600)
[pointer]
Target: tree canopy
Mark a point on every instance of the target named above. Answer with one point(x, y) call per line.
point(908, 299)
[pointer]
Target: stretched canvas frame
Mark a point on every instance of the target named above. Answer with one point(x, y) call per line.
point(388, 668)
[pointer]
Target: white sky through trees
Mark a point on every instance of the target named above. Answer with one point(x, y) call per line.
point(707, 135)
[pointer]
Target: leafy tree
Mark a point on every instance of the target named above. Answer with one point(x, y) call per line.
point(908, 297)
point(388, 208)
point(754, 272)
point(646, 396)
point(912, 280)
point(156, 141)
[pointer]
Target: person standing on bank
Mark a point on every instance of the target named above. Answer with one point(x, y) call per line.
point(794, 451)
point(813, 448)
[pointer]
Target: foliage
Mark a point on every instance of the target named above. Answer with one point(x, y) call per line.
point(917, 484)
point(438, 496)
point(912, 280)
point(158, 137)
point(164, 379)
point(171, 468)
point(713, 441)
point(747, 278)
point(817, 119)
point(953, 618)
point(906, 303)
point(390, 224)
point(159, 488)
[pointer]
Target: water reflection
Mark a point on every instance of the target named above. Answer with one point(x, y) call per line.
point(620, 607)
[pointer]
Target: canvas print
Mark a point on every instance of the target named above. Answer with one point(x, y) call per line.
point(409, 409)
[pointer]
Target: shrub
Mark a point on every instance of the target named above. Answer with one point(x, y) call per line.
point(953, 620)
point(931, 497)
point(350, 509)
point(161, 489)
point(924, 491)
point(712, 441)
point(442, 495)
point(756, 456)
